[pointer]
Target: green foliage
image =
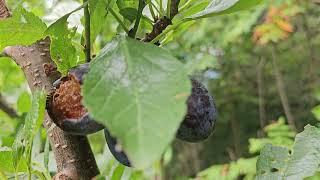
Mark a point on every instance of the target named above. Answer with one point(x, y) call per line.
point(18, 159)
point(97, 17)
point(316, 112)
point(277, 162)
point(231, 171)
point(128, 74)
point(217, 7)
point(7, 159)
point(23, 28)
point(128, 9)
point(11, 76)
point(24, 102)
point(63, 51)
point(278, 133)
point(121, 79)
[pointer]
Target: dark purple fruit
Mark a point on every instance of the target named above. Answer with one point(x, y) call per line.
point(198, 123)
point(115, 150)
point(64, 105)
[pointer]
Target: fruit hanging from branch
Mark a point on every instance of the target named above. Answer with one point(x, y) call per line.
point(198, 123)
point(64, 104)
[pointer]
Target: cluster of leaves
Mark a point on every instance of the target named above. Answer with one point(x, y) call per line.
point(277, 24)
point(19, 157)
point(278, 133)
point(126, 68)
point(129, 73)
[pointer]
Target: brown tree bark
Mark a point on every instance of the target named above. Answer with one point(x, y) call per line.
point(73, 154)
point(281, 90)
point(261, 87)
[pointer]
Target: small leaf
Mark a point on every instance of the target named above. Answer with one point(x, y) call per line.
point(128, 9)
point(23, 28)
point(35, 117)
point(316, 112)
point(98, 15)
point(62, 50)
point(18, 148)
point(24, 102)
point(220, 7)
point(117, 173)
point(131, 88)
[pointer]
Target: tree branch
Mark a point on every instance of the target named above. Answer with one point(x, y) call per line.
point(73, 154)
point(163, 23)
point(4, 106)
point(281, 90)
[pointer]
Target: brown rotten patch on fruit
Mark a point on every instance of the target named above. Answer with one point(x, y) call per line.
point(67, 98)
point(64, 104)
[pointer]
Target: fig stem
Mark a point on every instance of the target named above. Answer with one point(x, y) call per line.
point(133, 32)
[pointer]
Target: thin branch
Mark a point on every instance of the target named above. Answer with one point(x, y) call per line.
point(87, 31)
point(114, 14)
point(260, 81)
point(174, 8)
point(5, 107)
point(281, 90)
point(162, 23)
point(133, 32)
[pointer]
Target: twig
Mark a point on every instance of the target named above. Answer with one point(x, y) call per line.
point(87, 32)
point(162, 23)
point(73, 154)
point(4, 106)
point(133, 32)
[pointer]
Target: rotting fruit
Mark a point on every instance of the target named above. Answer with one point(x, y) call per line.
point(115, 149)
point(198, 123)
point(64, 104)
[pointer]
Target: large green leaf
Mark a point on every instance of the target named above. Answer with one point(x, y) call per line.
point(62, 50)
point(23, 28)
point(278, 163)
point(138, 91)
point(219, 7)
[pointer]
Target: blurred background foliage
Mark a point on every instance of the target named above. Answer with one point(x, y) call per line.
point(261, 66)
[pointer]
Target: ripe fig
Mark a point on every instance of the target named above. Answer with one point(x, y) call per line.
point(116, 150)
point(64, 104)
point(199, 120)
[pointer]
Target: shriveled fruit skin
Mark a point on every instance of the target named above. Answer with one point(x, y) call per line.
point(64, 105)
point(120, 156)
point(198, 123)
